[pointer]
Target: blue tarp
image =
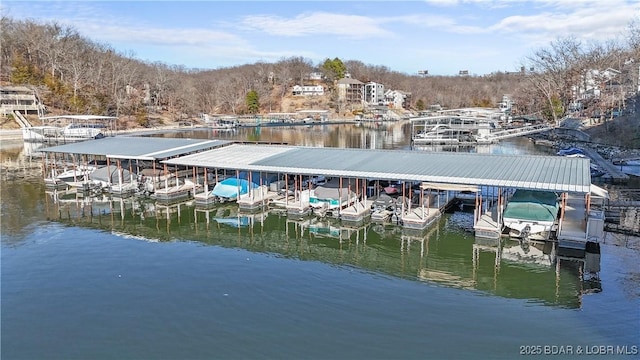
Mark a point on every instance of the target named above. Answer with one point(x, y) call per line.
point(229, 188)
point(258, 178)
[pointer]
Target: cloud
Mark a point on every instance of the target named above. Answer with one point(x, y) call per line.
point(588, 23)
point(531, 3)
point(441, 23)
point(443, 2)
point(160, 36)
point(317, 23)
point(536, 20)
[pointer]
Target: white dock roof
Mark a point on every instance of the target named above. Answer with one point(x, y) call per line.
point(554, 173)
point(133, 147)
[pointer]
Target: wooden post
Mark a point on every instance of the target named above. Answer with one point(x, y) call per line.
point(194, 181)
point(402, 208)
point(422, 202)
point(564, 204)
point(286, 189)
point(119, 174)
point(206, 183)
point(475, 211)
point(166, 177)
point(239, 187)
point(108, 172)
point(340, 196)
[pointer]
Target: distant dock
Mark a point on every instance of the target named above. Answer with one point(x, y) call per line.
point(612, 173)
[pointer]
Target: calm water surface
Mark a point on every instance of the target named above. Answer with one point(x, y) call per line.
point(132, 279)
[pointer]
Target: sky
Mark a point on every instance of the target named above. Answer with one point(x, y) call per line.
point(439, 36)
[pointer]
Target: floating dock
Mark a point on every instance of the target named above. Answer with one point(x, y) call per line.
point(439, 176)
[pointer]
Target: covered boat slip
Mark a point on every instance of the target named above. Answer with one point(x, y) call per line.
point(551, 173)
point(428, 181)
point(531, 212)
point(66, 128)
point(436, 171)
point(139, 155)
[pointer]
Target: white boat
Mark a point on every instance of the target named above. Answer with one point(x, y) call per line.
point(76, 175)
point(69, 127)
point(221, 123)
point(224, 125)
point(530, 212)
point(505, 104)
point(83, 131)
point(442, 134)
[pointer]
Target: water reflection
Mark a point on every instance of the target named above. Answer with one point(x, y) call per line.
point(374, 135)
point(443, 255)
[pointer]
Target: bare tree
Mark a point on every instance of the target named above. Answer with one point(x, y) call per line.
point(554, 73)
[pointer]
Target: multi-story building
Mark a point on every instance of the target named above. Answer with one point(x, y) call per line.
point(304, 90)
point(398, 99)
point(350, 90)
point(374, 93)
point(19, 98)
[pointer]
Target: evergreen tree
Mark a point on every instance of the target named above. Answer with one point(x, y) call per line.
point(253, 102)
point(553, 111)
point(334, 69)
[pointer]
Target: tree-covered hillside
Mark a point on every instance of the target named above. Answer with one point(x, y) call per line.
point(75, 74)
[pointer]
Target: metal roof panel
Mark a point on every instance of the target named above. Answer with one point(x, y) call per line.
point(132, 147)
point(525, 171)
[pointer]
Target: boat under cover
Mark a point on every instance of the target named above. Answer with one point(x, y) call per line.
point(537, 210)
point(331, 195)
point(108, 175)
point(231, 188)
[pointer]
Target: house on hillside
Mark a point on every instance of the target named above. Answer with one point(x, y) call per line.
point(594, 82)
point(19, 98)
point(350, 90)
point(374, 93)
point(505, 105)
point(308, 90)
point(398, 99)
point(315, 76)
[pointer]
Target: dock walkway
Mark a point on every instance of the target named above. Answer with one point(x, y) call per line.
point(613, 173)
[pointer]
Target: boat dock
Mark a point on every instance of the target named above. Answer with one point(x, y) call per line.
point(345, 184)
point(612, 173)
point(467, 129)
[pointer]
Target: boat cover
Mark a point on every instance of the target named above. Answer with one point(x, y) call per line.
point(332, 190)
point(103, 174)
point(532, 206)
point(228, 188)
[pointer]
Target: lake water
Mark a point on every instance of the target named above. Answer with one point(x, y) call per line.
point(132, 279)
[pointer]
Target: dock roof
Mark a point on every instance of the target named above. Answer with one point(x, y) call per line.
point(135, 147)
point(554, 173)
point(80, 117)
